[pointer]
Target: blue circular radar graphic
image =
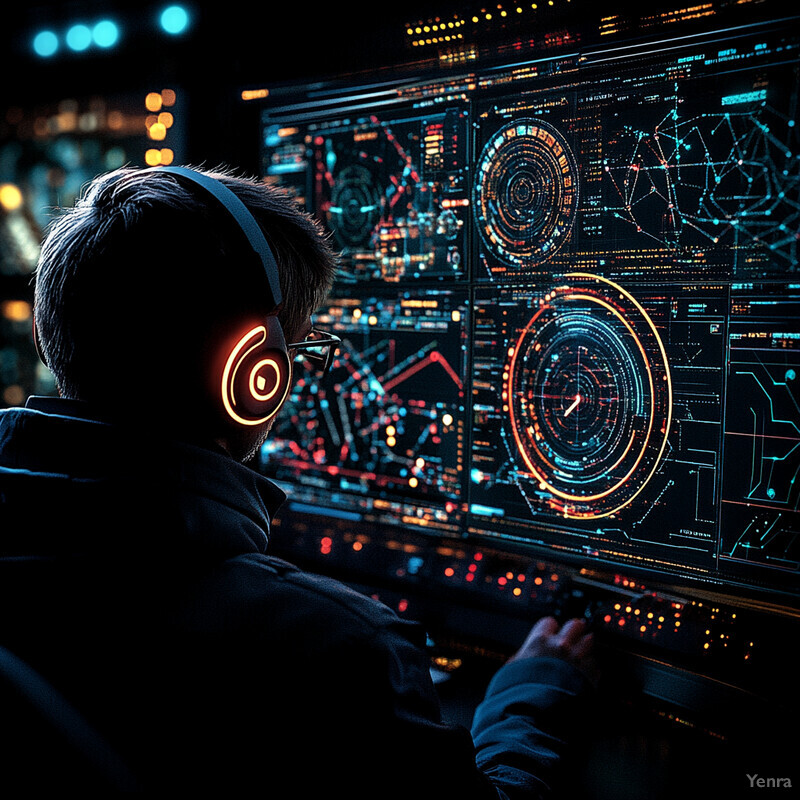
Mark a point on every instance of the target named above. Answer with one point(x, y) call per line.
point(355, 206)
point(526, 193)
point(588, 392)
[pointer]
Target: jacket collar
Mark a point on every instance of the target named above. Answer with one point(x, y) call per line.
point(196, 496)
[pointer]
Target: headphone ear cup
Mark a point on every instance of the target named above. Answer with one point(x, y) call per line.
point(257, 374)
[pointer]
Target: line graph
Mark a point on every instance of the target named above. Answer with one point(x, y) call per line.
point(389, 421)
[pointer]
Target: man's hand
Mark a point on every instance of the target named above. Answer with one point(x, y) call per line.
point(569, 642)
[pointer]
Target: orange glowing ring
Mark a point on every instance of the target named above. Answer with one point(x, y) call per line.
point(256, 378)
point(637, 451)
point(526, 192)
point(247, 347)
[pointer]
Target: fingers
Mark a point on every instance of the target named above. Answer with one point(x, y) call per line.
point(571, 632)
point(546, 626)
point(583, 648)
point(567, 635)
point(538, 638)
point(569, 641)
point(547, 635)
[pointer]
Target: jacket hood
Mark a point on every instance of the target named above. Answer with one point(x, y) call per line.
point(70, 482)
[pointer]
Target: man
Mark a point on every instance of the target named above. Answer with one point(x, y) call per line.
point(135, 577)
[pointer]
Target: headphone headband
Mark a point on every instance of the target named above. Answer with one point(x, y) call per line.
point(251, 229)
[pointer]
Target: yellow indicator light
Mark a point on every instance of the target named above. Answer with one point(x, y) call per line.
point(157, 131)
point(10, 197)
point(16, 310)
point(255, 94)
point(153, 102)
point(154, 157)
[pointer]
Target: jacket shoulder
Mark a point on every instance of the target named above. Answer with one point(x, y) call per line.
point(273, 595)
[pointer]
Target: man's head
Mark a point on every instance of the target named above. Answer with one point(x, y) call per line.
point(142, 290)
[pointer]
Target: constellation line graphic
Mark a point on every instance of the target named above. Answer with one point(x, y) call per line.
point(718, 178)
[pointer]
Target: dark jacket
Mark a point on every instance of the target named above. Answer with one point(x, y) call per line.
point(135, 580)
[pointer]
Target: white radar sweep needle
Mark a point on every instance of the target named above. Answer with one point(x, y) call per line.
point(574, 405)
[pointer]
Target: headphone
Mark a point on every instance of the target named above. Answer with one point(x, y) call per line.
point(256, 373)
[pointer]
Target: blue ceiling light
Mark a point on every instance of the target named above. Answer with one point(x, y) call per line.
point(45, 44)
point(174, 20)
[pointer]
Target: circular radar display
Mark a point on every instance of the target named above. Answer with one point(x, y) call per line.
point(355, 206)
point(589, 396)
point(526, 193)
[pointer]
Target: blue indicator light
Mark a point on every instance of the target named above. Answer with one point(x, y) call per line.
point(45, 44)
point(174, 19)
point(325, 512)
point(105, 33)
point(486, 511)
point(79, 37)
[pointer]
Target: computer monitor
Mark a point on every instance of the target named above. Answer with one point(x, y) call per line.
point(568, 298)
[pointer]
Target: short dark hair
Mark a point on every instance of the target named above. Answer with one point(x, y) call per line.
point(136, 280)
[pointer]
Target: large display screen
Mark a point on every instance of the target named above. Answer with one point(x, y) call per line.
point(569, 300)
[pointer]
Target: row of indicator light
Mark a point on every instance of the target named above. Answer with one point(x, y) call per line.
point(439, 26)
point(624, 616)
point(720, 638)
point(644, 620)
point(373, 319)
point(716, 638)
point(440, 31)
point(514, 582)
point(104, 34)
point(510, 580)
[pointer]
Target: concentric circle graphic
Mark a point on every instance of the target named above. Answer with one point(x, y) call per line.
point(355, 206)
point(588, 390)
point(526, 192)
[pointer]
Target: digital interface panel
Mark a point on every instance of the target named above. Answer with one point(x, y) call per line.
point(385, 435)
point(759, 503)
point(608, 420)
point(393, 192)
point(569, 303)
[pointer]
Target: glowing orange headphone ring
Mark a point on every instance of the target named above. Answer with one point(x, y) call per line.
point(246, 345)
